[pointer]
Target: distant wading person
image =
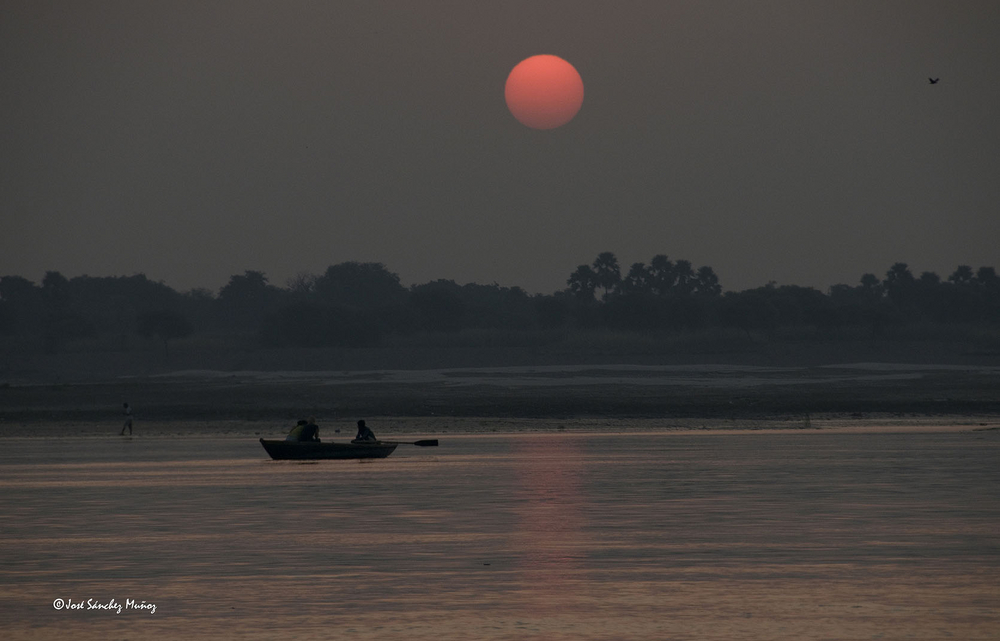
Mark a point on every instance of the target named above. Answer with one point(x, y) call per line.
point(364, 434)
point(128, 419)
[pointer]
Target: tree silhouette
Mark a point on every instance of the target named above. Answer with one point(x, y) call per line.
point(962, 275)
point(247, 298)
point(607, 273)
point(987, 277)
point(54, 282)
point(871, 285)
point(684, 278)
point(360, 286)
point(582, 283)
point(17, 290)
point(302, 284)
point(55, 293)
point(661, 275)
point(929, 279)
point(637, 281)
point(707, 283)
point(354, 304)
point(899, 282)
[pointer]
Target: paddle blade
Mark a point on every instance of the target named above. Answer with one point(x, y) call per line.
point(432, 442)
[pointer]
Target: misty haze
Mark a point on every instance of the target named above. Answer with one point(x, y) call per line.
point(538, 320)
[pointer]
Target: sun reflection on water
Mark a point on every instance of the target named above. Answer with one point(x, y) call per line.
point(551, 536)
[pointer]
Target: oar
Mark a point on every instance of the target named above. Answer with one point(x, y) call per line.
point(431, 442)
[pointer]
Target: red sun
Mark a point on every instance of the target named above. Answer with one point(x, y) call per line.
point(544, 92)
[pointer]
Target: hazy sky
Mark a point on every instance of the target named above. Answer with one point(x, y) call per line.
point(793, 141)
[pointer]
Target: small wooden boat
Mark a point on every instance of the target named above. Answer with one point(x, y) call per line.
point(312, 450)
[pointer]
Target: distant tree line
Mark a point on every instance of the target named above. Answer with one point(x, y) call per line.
point(358, 304)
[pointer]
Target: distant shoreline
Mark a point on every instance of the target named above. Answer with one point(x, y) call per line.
point(697, 392)
point(409, 427)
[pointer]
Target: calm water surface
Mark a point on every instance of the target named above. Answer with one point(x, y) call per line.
point(554, 536)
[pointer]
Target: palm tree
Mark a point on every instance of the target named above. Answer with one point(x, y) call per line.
point(608, 273)
point(637, 280)
point(661, 275)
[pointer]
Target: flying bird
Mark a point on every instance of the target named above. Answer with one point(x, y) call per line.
point(934, 81)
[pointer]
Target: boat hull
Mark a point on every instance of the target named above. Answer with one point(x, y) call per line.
point(312, 451)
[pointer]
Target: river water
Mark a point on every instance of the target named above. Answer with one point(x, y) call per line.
point(681, 535)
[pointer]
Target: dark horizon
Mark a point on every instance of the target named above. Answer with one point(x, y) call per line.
point(360, 304)
point(290, 283)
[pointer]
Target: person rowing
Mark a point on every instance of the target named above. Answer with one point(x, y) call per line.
point(364, 433)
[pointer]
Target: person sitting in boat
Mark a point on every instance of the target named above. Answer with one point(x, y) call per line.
point(304, 431)
point(364, 433)
point(311, 431)
point(296, 431)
